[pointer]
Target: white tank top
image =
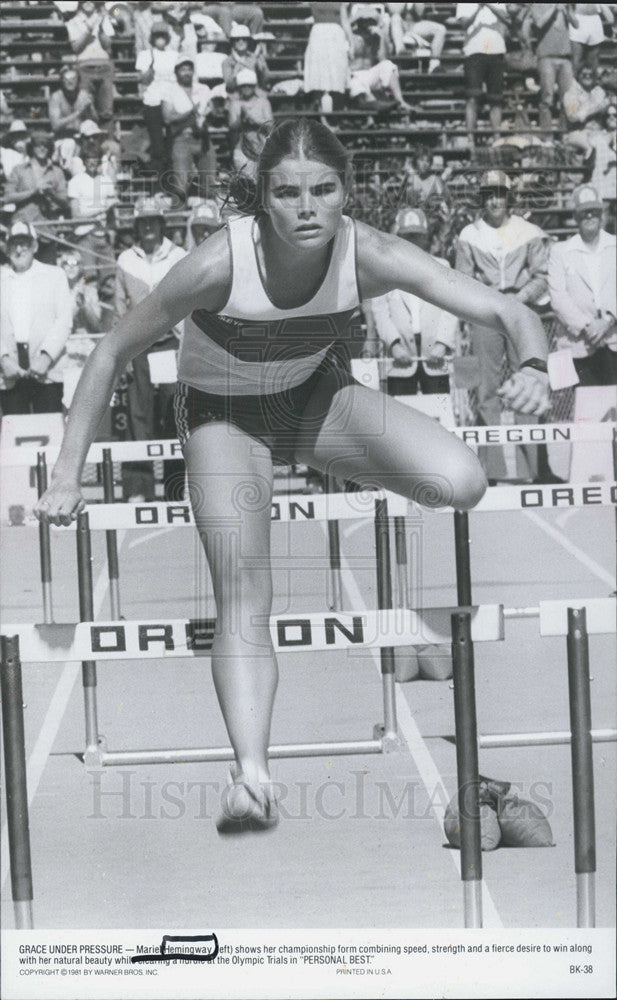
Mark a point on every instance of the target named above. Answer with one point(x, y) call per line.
point(251, 347)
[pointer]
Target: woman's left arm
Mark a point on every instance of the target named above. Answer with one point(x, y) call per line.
point(386, 262)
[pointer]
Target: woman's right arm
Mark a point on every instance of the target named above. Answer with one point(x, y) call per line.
point(200, 280)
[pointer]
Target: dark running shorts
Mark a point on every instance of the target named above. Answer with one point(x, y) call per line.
point(481, 68)
point(279, 420)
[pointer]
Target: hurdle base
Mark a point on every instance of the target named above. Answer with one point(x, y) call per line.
point(191, 755)
point(390, 742)
point(585, 899)
point(94, 754)
point(24, 919)
point(472, 902)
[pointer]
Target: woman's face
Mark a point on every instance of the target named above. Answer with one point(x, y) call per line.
point(240, 45)
point(304, 200)
point(160, 41)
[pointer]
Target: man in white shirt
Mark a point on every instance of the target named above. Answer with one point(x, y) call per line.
point(90, 33)
point(581, 278)
point(185, 107)
point(484, 49)
point(91, 194)
point(36, 315)
point(411, 328)
point(139, 270)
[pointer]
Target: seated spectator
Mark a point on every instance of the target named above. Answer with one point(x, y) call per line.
point(91, 194)
point(204, 220)
point(600, 149)
point(505, 252)
point(37, 187)
point(209, 61)
point(484, 48)
point(411, 328)
point(185, 109)
point(87, 309)
point(424, 184)
point(370, 71)
point(156, 66)
point(554, 52)
point(225, 14)
point(70, 105)
point(91, 142)
point(587, 34)
point(407, 24)
point(35, 322)
point(243, 55)
point(14, 148)
point(140, 269)
point(250, 122)
point(90, 34)
point(183, 38)
point(584, 103)
point(326, 58)
point(581, 279)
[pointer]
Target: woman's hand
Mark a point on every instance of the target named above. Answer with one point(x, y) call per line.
point(60, 503)
point(527, 391)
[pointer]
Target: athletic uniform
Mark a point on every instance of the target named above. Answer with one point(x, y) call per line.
point(257, 366)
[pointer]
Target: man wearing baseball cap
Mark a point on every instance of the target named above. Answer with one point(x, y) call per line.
point(250, 121)
point(185, 106)
point(582, 287)
point(411, 328)
point(204, 220)
point(36, 315)
point(139, 270)
point(244, 55)
point(510, 254)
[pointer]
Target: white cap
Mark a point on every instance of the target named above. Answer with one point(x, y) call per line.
point(22, 229)
point(17, 126)
point(89, 128)
point(240, 31)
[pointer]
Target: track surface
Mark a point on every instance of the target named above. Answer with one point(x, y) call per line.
point(360, 843)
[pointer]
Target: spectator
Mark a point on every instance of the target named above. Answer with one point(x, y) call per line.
point(243, 56)
point(407, 23)
point(143, 19)
point(185, 109)
point(139, 270)
point(370, 70)
point(225, 14)
point(208, 61)
point(91, 142)
point(411, 328)
point(204, 220)
point(506, 252)
point(37, 187)
point(554, 52)
point(14, 149)
point(156, 66)
point(183, 38)
point(5, 110)
point(326, 58)
point(250, 122)
point(90, 34)
point(91, 194)
point(600, 149)
point(87, 309)
point(70, 105)
point(582, 286)
point(583, 102)
point(484, 50)
point(587, 34)
point(424, 184)
point(35, 322)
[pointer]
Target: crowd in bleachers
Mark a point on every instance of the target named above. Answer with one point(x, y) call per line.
point(449, 108)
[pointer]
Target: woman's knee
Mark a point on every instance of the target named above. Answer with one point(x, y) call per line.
point(468, 483)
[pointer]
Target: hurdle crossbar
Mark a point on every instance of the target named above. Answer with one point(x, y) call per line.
point(499, 434)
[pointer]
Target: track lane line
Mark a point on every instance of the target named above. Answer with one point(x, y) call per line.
point(418, 749)
point(579, 554)
point(53, 719)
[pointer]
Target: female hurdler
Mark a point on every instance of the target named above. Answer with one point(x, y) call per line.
point(263, 372)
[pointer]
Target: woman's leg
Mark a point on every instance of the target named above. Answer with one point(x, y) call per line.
point(230, 485)
point(373, 440)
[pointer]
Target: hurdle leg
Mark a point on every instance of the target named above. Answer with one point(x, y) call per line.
point(582, 767)
point(402, 575)
point(94, 741)
point(389, 731)
point(335, 598)
point(467, 767)
point(16, 782)
point(44, 542)
point(463, 559)
point(111, 537)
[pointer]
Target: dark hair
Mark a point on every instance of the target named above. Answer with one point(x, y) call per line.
point(295, 137)
point(37, 139)
point(422, 151)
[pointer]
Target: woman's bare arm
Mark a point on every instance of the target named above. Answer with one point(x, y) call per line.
point(200, 280)
point(386, 262)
